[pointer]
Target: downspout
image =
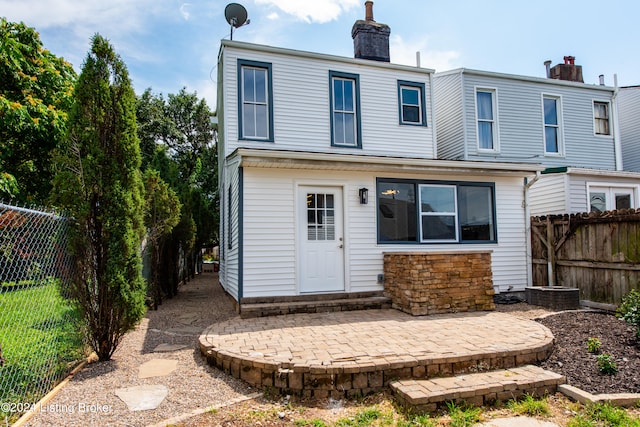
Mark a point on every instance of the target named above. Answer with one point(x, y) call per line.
point(617, 144)
point(527, 221)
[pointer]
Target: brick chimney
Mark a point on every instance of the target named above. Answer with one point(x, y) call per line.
point(370, 38)
point(568, 71)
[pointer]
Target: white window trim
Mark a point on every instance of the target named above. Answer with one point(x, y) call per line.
point(453, 214)
point(593, 106)
point(494, 106)
point(560, 118)
point(612, 186)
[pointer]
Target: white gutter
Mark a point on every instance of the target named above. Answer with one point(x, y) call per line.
point(527, 227)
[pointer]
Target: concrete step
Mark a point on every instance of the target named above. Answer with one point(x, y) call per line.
point(313, 306)
point(477, 389)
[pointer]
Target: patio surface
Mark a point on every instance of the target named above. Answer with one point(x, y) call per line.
point(354, 352)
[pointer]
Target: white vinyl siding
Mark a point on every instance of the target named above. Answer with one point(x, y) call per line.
point(629, 112)
point(562, 193)
point(229, 229)
point(301, 113)
point(270, 250)
point(549, 195)
point(449, 116)
point(521, 121)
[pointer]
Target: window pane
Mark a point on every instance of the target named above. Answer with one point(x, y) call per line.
point(249, 120)
point(437, 199)
point(410, 96)
point(348, 95)
point(551, 139)
point(485, 108)
point(349, 129)
point(438, 227)
point(248, 88)
point(600, 109)
point(262, 123)
point(338, 95)
point(410, 114)
point(311, 200)
point(261, 85)
point(396, 212)
point(485, 135)
point(475, 213)
point(330, 201)
point(598, 202)
point(602, 127)
point(550, 111)
point(338, 128)
point(623, 201)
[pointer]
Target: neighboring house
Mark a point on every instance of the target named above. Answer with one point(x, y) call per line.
point(629, 106)
point(560, 122)
point(327, 162)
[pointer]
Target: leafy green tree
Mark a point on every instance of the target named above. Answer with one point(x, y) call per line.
point(35, 97)
point(162, 214)
point(99, 184)
point(185, 155)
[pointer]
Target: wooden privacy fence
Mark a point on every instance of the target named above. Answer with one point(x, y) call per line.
point(599, 253)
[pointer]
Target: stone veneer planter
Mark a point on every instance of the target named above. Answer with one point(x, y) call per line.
point(421, 283)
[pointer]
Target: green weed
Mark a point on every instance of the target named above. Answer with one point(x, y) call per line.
point(593, 345)
point(606, 364)
point(530, 406)
point(463, 416)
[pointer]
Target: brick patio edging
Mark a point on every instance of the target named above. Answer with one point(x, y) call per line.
point(351, 379)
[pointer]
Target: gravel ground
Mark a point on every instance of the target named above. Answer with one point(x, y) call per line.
point(89, 398)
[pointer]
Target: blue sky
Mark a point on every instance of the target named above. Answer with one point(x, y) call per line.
point(168, 44)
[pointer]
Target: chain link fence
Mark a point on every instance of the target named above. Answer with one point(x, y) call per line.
point(40, 331)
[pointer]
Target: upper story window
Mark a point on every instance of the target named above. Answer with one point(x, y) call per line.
point(486, 116)
point(411, 98)
point(601, 118)
point(411, 211)
point(345, 109)
point(552, 122)
point(255, 113)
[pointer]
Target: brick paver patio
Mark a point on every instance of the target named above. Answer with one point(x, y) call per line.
point(354, 352)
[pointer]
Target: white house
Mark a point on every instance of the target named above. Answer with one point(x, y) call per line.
point(560, 122)
point(328, 162)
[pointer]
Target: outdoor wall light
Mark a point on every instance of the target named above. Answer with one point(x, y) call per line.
point(364, 196)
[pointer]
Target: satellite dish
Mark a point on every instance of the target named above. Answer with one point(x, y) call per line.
point(236, 16)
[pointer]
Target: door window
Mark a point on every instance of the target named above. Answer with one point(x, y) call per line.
point(320, 217)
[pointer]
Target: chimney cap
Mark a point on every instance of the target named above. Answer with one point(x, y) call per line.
point(368, 11)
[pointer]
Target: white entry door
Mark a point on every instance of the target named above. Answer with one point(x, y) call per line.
point(321, 257)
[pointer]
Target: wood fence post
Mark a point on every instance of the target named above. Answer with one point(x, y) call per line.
point(551, 255)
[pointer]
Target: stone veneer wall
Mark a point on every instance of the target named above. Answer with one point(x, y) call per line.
point(421, 283)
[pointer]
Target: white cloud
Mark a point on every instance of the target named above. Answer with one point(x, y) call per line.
point(273, 16)
point(318, 11)
point(404, 52)
point(184, 10)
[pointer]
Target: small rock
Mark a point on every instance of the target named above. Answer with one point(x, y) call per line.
point(281, 415)
point(560, 364)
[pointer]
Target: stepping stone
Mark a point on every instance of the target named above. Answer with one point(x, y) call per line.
point(157, 368)
point(166, 348)
point(186, 330)
point(517, 422)
point(187, 319)
point(142, 398)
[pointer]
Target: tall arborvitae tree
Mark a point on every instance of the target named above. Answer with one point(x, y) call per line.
point(100, 185)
